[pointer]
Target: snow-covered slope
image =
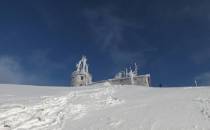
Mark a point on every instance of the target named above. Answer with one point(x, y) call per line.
point(104, 107)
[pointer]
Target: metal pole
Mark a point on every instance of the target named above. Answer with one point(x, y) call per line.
point(196, 84)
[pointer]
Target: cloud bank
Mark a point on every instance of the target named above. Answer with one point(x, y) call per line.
point(37, 69)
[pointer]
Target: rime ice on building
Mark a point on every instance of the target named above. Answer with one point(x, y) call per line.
point(131, 77)
point(81, 77)
point(126, 74)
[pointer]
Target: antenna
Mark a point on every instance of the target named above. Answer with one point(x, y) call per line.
point(196, 84)
point(136, 69)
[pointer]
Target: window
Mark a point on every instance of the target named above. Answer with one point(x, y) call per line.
point(82, 77)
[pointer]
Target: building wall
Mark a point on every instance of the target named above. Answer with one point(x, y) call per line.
point(143, 80)
point(78, 81)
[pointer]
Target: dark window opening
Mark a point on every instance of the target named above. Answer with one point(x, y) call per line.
point(82, 77)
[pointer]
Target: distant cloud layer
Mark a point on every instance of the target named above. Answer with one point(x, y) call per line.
point(14, 70)
point(10, 70)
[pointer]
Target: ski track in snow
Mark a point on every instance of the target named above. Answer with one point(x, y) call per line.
point(51, 112)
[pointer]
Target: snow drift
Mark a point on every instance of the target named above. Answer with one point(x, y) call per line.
point(104, 106)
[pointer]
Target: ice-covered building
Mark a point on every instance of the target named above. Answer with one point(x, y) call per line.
point(131, 77)
point(81, 77)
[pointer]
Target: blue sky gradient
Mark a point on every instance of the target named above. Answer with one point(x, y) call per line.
point(41, 41)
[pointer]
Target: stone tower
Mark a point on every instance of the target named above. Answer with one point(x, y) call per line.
point(81, 77)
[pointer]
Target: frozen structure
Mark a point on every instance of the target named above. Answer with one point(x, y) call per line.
point(81, 77)
point(131, 77)
point(124, 74)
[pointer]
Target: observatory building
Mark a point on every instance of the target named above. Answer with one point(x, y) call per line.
point(81, 77)
point(131, 77)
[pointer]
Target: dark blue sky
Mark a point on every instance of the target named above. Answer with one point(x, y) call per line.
point(41, 40)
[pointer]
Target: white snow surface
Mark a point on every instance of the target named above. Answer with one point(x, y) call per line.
point(104, 107)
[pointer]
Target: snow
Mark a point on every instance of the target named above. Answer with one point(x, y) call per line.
point(104, 106)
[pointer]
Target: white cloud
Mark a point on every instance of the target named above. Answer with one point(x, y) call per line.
point(10, 70)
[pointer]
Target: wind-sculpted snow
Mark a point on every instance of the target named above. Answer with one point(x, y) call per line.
point(104, 107)
point(51, 112)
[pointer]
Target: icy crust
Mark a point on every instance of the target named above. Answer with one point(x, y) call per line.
point(52, 112)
